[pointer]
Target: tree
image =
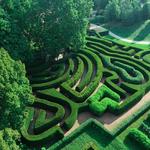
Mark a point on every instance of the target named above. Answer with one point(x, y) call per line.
point(146, 10)
point(15, 92)
point(12, 29)
point(127, 12)
point(100, 4)
point(137, 10)
point(56, 25)
point(8, 139)
point(112, 11)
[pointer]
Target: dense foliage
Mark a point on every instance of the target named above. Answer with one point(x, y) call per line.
point(46, 26)
point(15, 92)
point(12, 28)
point(8, 139)
point(126, 11)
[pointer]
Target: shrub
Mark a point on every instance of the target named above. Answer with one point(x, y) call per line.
point(140, 138)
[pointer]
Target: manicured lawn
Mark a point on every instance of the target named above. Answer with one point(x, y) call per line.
point(137, 32)
point(141, 46)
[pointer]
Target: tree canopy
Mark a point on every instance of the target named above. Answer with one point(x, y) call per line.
point(46, 26)
point(15, 92)
point(8, 139)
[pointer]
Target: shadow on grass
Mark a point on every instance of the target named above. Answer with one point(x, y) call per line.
point(144, 33)
point(126, 31)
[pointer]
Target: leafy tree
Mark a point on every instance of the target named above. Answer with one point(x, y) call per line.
point(146, 10)
point(15, 93)
point(8, 139)
point(126, 14)
point(112, 11)
point(137, 9)
point(54, 25)
point(12, 28)
point(100, 4)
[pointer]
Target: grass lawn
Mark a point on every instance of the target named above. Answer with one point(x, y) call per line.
point(141, 46)
point(137, 32)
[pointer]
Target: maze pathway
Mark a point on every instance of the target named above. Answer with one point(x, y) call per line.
point(104, 77)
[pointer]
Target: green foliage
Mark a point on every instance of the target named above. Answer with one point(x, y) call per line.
point(112, 10)
point(12, 28)
point(57, 25)
point(146, 10)
point(99, 107)
point(15, 93)
point(31, 26)
point(9, 139)
point(126, 11)
point(140, 138)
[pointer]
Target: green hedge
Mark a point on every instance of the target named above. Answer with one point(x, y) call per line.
point(56, 97)
point(48, 76)
point(86, 80)
point(99, 107)
point(78, 74)
point(82, 96)
point(48, 123)
point(102, 92)
point(140, 138)
point(57, 81)
point(51, 135)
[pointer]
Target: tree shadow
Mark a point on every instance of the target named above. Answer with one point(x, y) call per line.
point(144, 33)
point(126, 31)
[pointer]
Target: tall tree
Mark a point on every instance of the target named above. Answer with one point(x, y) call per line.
point(9, 139)
point(12, 33)
point(15, 92)
point(54, 25)
point(112, 11)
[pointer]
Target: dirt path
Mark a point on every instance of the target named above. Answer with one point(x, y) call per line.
point(75, 126)
point(111, 121)
point(121, 118)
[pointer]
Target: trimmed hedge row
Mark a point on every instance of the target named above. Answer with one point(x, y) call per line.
point(48, 123)
point(112, 79)
point(140, 138)
point(99, 40)
point(48, 76)
point(51, 135)
point(124, 69)
point(56, 82)
point(109, 49)
point(78, 74)
point(102, 92)
point(82, 96)
point(99, 107)
point(91, 123)
point(96, 48)
point(145, 129)
point(126, 123)
point(128, 73)
point(56, 97)
point(88, 75)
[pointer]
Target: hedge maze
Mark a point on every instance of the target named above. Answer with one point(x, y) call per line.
point(104, 76)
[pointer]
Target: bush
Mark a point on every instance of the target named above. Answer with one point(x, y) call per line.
point(140, 138)
point(99, 107)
